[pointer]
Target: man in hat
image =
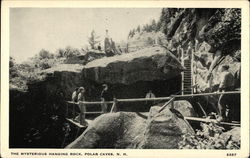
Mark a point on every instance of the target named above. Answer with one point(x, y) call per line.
point(226, 84)
point(106, 95)
point(82, 107)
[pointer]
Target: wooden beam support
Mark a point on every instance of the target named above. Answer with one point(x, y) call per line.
point(210, 120)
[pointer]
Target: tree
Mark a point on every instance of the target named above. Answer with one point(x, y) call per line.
point(166, 15)
point(153, 25)
point(158, 26)
point(70, 52)
point(138, 29)
point(60, 53)
point(44, 54)
point(93, 39)
point(12, 69)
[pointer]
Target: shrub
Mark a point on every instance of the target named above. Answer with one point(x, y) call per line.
point(210, 137)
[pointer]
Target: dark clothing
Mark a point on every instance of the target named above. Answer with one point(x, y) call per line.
point(99, 48)
point(225, 100)
point(107, 95)
point(237, 77)
point(227, 81)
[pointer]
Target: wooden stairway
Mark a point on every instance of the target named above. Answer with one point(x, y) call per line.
point(187, 74)
point(187, 78)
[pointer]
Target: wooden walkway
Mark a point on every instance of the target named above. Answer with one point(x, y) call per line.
point(169, 102)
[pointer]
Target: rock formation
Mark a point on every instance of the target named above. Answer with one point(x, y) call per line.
point(154, 63)
point(128, 75)
point(134, 130)
point(164, 130)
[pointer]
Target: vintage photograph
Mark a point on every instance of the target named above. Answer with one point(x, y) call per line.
point(125, 78)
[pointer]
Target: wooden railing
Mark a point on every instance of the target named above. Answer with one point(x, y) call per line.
point(170, 101)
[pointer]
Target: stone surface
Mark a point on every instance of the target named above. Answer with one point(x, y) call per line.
point(112, 130)
point(134, 130)
point(185, 108)
point(154, 63)
point(164, 130)
point(233, 133)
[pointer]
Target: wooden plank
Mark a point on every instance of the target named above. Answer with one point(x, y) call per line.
point(166, 104)
point(210, 120)
point(75, 123)
point(78, 124)
point(99, 102)
point(205, 94)
point(94, 112)
point(143, 99)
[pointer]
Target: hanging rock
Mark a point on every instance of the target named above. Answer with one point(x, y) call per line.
point(154, 63)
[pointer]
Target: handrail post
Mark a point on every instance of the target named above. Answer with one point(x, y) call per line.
point(114, 107)
point(67, 110)
point(74, 112)
point(82, 113)
point(172, 103)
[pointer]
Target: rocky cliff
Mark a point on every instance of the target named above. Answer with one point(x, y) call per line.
point(129, 75)
point(204, 30)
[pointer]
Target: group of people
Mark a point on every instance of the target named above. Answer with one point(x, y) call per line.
point(225, 107)
point(80, 95)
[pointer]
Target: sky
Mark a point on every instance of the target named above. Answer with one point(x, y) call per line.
point(33, 29)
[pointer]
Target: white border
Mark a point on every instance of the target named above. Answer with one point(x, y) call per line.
point(243, 152)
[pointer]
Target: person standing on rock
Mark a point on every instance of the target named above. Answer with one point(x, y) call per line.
point(82, 106)
point(226, 84)
point(106, 95)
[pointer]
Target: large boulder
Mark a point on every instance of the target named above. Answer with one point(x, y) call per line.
point(164, 129)
point(112, 130)
point(149, 64)
point(185, 108)
point(161, 130)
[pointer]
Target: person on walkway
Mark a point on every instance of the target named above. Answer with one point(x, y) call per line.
point(150, 94)
point(106, 95)
point(82, 107)
point(75, 94)
point(225, 100)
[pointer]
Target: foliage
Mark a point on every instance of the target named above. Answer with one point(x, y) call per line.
point(153, 26)
point(44, 54)
point(12, 68)
point(210, 137)
point(21, 74)
point(223, 30)
point(93, 39)
point(167, 15)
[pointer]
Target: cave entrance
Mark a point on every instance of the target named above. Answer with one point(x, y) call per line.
point(161, 88)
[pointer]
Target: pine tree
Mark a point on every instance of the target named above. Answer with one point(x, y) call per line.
point(138, 29)
point(93, 39)
point(153, 25)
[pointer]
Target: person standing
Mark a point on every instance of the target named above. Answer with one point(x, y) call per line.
point(75, 95)
point(106, 95)
point(225, 100)
point(82, 106)
point(150, 94)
